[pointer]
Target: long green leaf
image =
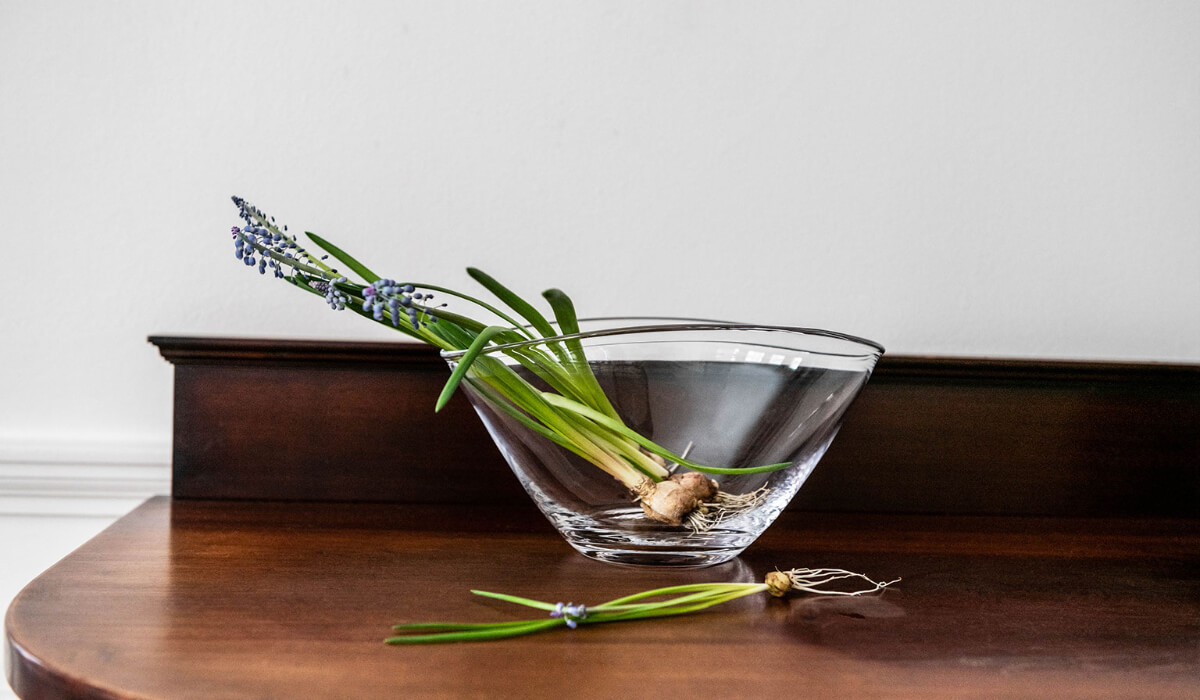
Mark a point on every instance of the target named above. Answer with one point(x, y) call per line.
point(455, 625)
point(523, 308)
point(453, 334)
point(515, 599)
point(485, 336)
point(344, 257)
point(478, 302)
point(618, 427)
point(548, 370)
point(564, 310)
point(533, 401)
point(685, 588)
point(494, 632)
point(701, 596)
point(502, 404)
point(568, 323)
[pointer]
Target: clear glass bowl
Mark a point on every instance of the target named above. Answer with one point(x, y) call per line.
point(721, 394)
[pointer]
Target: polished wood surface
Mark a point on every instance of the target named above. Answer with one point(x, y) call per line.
point(210, 599)
point(309, 420)
point(1044, 516)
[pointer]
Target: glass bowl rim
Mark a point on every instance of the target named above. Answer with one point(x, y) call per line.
point(667, 323)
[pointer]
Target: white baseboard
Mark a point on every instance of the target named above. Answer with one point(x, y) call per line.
point(96, 478)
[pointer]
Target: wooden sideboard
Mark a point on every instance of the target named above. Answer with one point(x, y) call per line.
point(1043, 517)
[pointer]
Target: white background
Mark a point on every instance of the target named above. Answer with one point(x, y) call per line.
point(1017, 179)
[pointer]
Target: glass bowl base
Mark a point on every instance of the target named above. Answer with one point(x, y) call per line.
point(624, 537)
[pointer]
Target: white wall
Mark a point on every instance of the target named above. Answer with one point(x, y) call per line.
point(977, 178)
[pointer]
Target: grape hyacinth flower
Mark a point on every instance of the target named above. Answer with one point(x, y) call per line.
point(388, 298)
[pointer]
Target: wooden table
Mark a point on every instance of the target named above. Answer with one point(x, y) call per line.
point(220, 599)
point(1063, 560)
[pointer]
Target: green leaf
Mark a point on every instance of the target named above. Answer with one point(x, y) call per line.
point(523, 308)
point(564, 310)
point(515, 599)
point(568, 323)
point(620, 428)
point(700, 597)
point(453, 333)
point(502, 404)
point(454, 626)
point(496, 631)
point(344, 257)
point(517, 325)
point(485, 336)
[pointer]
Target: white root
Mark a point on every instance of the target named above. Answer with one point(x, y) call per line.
point(810, 580)
point(722, 508)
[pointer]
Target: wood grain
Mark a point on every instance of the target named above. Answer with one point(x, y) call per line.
point(318, 500)
point(199, 599)
point(308, 420)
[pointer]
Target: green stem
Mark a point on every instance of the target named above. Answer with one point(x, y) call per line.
point(496, 632)
point(517, 325)
point(697, 597)
point(618, 427)
point(532, 401)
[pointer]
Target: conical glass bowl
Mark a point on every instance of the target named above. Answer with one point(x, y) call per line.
point(727, 395)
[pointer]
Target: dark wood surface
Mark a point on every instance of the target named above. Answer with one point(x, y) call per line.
point(299, 420)
point(209, 599)
point(1043, 516)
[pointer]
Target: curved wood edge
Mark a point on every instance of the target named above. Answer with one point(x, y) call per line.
point(32, 678)
point(186, 599)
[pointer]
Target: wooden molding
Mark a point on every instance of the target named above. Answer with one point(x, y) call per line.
point(350, 421)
